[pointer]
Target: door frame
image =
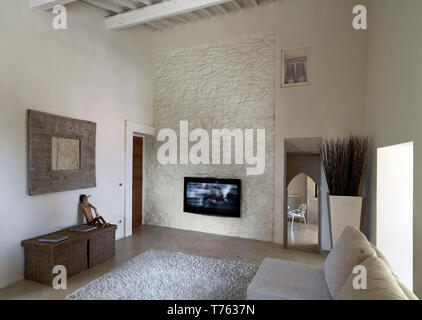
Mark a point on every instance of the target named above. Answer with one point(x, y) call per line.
point(143, 174)
point(132, 129)
point(317, 178)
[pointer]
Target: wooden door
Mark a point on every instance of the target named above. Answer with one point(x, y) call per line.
point(137, 182)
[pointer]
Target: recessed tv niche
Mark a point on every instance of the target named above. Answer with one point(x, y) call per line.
point(219, 197)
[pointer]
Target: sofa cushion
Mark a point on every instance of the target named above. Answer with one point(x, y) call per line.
point(382, 257)
point(350, 250)
point(409, 294)
point(287, 280)
point(380, 285)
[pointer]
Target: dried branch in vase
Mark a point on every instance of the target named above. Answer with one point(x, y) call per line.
point(344, 161)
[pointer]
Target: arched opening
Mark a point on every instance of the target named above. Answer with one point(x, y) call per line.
point(303, 214)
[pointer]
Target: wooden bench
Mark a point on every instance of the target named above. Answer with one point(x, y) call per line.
point(79, 252)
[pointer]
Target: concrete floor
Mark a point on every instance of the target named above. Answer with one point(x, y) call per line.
point(148, 237)
point(301, 238)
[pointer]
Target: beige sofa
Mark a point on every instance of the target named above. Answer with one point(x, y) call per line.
point(287, 280)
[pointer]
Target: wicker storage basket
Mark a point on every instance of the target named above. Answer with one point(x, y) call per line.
point(82, 250)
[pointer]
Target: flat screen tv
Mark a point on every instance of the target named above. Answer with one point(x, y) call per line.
point(212, 196)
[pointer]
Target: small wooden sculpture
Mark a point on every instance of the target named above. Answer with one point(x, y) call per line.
point(86, 206)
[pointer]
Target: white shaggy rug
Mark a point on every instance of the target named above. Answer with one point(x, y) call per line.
point(166, 275)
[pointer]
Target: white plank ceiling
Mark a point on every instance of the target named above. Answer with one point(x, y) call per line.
point(155, 14)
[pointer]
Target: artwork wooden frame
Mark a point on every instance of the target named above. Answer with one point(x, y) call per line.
point(42, 128)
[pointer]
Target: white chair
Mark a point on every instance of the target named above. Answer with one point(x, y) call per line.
point(298, 213)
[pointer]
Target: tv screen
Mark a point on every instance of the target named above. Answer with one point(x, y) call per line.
point(220, 197)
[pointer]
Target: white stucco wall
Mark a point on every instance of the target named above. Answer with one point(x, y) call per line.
point(394, 99)
point(85, 72)
point(298, 187)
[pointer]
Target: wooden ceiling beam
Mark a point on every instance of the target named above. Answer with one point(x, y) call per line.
point(47, 4)
point(158, 11)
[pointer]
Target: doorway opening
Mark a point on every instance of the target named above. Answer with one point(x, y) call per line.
point(302, 167)
point(134, 129)
point(395, 208)
point(137, 178)
point(302, 214)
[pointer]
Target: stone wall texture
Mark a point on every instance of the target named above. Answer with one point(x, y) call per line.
point(215, 86)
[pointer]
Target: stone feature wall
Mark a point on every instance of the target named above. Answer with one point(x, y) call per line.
point(215, 86)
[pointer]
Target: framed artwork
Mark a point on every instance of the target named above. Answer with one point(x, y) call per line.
point(61, 153)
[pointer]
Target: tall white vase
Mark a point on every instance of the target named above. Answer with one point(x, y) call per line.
point(343, 211)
